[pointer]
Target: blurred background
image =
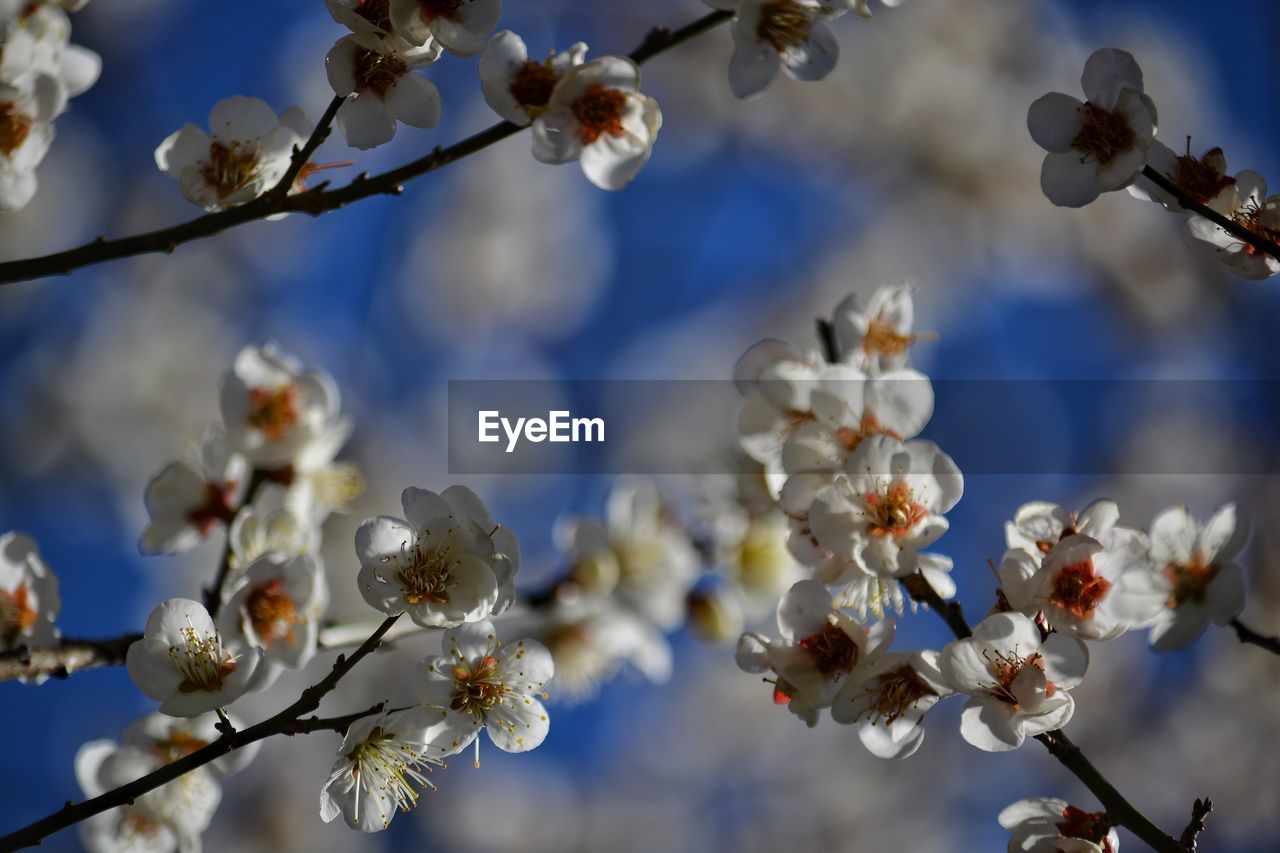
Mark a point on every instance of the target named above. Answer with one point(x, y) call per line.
point(912, 161)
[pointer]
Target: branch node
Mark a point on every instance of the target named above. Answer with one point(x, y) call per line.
point(1199, 811)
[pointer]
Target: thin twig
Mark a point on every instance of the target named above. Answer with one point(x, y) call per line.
point(1199, 811)
point(301, 155)
point(1235, 229)
point(1248, 635)
point(288, 722)
point(315, 201)
point(1120, 810)
point(68, 656)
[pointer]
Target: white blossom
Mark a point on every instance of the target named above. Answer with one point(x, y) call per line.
point(1039, 525)
point(445, 563)
point(181, 662)
point(887, 699)
point(1204, 178)
point(1049, 825)
point(1254, 211)
point(380, 766)
point(375, 75)
point(878, 334)
point(481, 683)
point(768, 35)
point(25, 137)
point(187, 502)
point(598, 115)
point(246, 152)
point(776, 381)
point(276, 604)
point(1101, 144)
point(516, 87)
point(170, 738)
point(269, 526)
point(29, 599)
point(460, 26)
point(1017, 685)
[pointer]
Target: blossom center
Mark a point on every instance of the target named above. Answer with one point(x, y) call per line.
point(202, 661)
point(378, 72)
point(384, 764)
point(179, 744)
point(1202, 178)
point(895, 693)
point(272, 612)
point(533, 84)
point(1103, 134)
point(1006, 667)
point(784, 24)
point(273, 411)
point(230, 168)
point(832, 649)
point(599, 112)
point(1250, 217)
point(478, 689)
point(894, 513)
point(16, 614)
point(376, 12)
point(433, 9)
point(1078, 590)
point(1190, 581)
point(1089, 826)
point(216, 508)
point(425, 577)
point(883, 338)
point(14, 128)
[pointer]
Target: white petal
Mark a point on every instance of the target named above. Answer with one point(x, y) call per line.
point(415, 101)
point(1068, 180)
point(1054, 120)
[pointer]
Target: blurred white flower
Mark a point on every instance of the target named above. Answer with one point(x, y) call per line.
point(460, 26)
point(375, 75)
point(266, 526)
point(1038, 526)
point(887, 505)
point(776, 381)
point(276, 604)
point(181, 662)
point(445, 563)
point(1099, 145)
point(170, 738)
point(516, 87)
point(187, 502)
point(887, 699)
point(1256, 212)
point(598, 115)
point(1048, 825)
point(769, 35)
point(29, 599)
point(274, 409)
point(818, 651)
point(877, 334)
point(380, 763)
point(1204, 178)
point(25, 136)
point(481, 683)
point(247, 151)
point(1017, 684)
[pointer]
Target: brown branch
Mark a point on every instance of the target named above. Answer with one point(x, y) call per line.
point(288, 722)
point(67, 657)
point(1199, 811)
point(316, 201)
point(1194, 205)
point(1248, 635)
point(301, 155)
point(1119, 810)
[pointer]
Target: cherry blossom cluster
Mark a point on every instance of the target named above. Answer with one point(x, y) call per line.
point(863, 498)
point(1105, 142)
point(40, 71)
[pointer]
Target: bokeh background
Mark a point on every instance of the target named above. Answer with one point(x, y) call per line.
point(911, 161)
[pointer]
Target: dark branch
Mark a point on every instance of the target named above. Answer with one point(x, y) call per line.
point(1248, 635)
point(827, 339)
point(302, 155)
point(315, 201)
point(288, 722)
point(1120, 810)
point(1194, 205)
point(213, 592)
point(1199, 811)
point(67, 657)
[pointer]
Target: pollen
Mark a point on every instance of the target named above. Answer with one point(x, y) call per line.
point(1190, 581)
point(424, 575)
point(883, 338)
point(272, 612)
point(894, 513)
point(1103, 135)
point(1006, 667)
point(1202, 178)
point(599, 112)
point(895, 693)
point(273, 411)
point(202, 661)
point(832, 649)
point(17, 616)
point(378, 72)
point(14, 128)
point(215, 509)
point(478, 688)
point(1078, 590)
point(230, 168)
point(533, 84)
point(784, 24)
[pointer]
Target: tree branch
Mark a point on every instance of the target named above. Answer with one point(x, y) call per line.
point(67, 657)
point(213, 592)
point(1248, 635)
point(303, 154)
point(315, 201)
point(1199, 811)
point(1194, 205)
point(288, 722)
point(1120, 810)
